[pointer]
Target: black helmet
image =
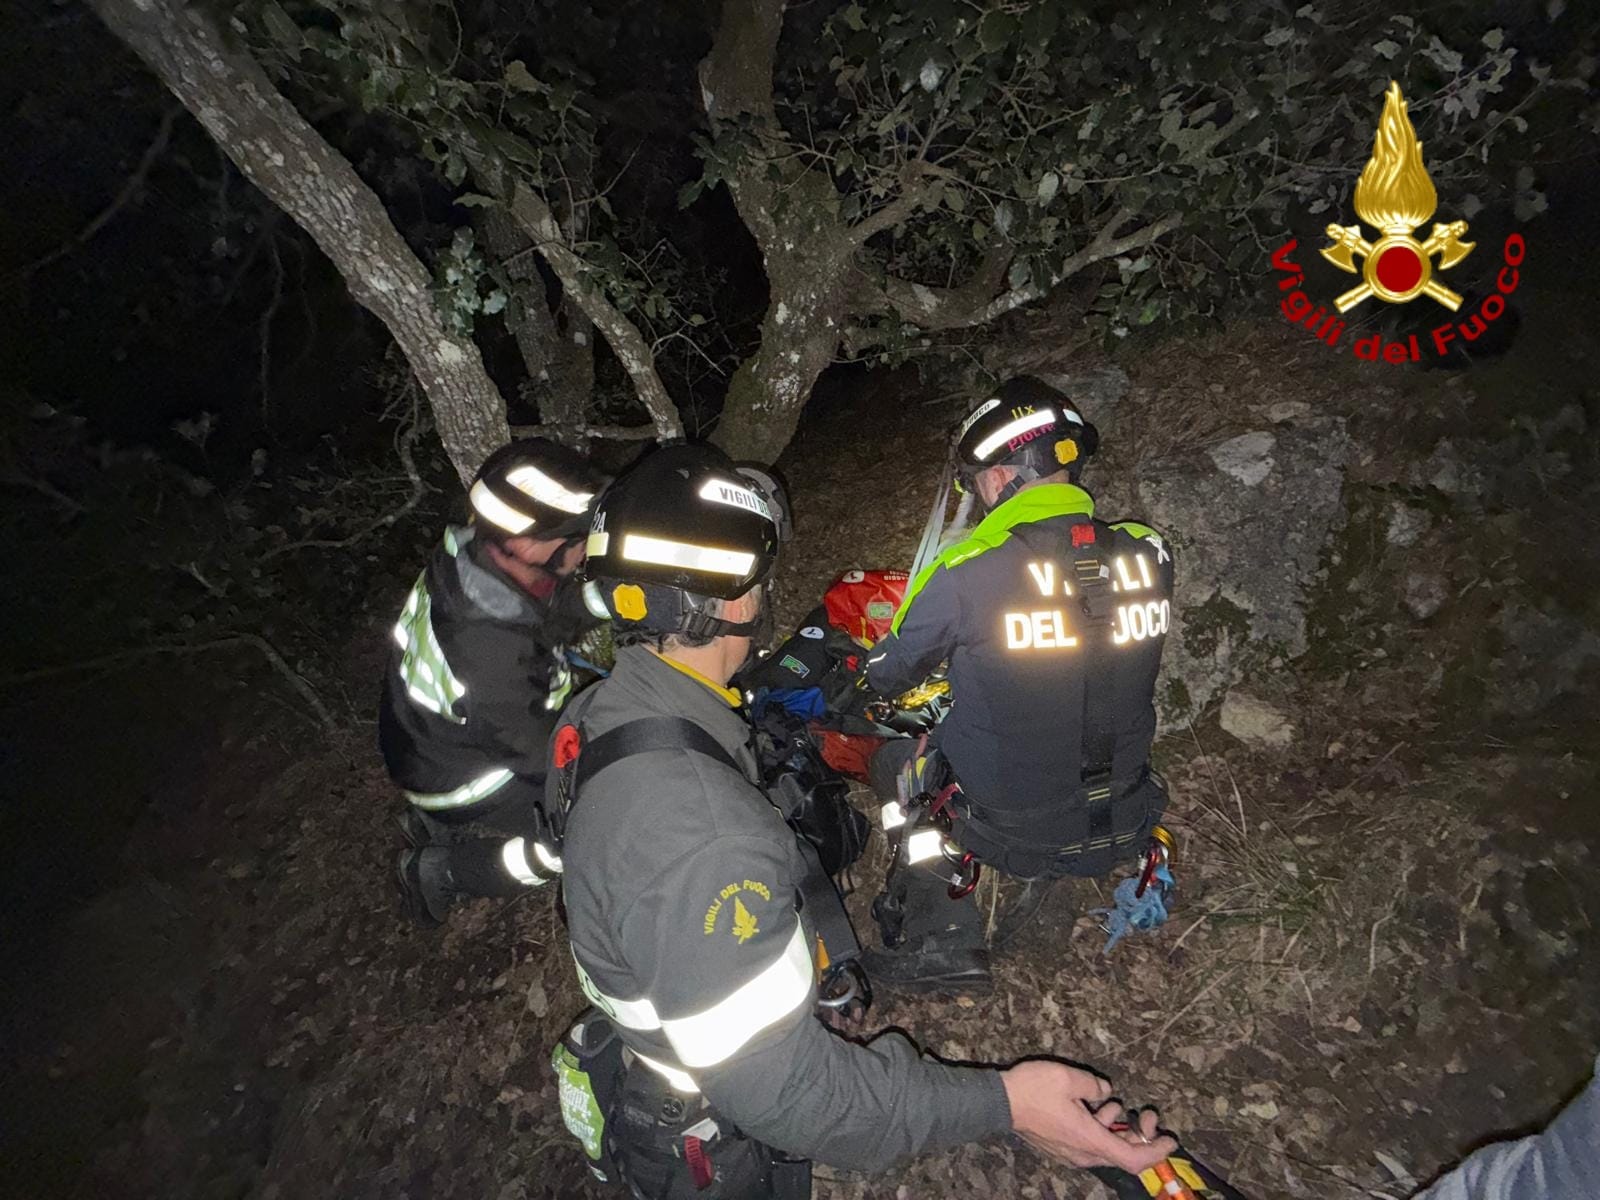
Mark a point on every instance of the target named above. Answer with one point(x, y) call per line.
point(769, 483)
point(537, 488)
point(1028, 425)
point(679, 530)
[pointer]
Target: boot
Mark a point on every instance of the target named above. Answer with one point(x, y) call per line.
point(426, 885)
point(419, 830)
point(1022, 910)
point(936, 962)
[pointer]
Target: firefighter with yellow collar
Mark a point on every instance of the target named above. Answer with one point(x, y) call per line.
point(1052, 623)
point(693, 920)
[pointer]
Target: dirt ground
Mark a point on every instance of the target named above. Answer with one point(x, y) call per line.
point(1384, 949)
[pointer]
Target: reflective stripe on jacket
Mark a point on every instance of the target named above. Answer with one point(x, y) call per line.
point(680, 887)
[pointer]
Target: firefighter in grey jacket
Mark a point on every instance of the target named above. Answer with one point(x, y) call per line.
point(478, 675)
point(681, 878)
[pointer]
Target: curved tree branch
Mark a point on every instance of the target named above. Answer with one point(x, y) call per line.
point(529, 210)
point(975, 302)
point(282, 154)
point(124, 196)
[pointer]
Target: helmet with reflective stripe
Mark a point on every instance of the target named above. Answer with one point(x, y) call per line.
point(769, 483)
point(679, 530)
point(536, 488)
point(1028, 425)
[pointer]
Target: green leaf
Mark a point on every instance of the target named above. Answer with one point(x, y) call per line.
point(455, 168)
point(1049, 184)
point(1277, 37)
point(515, 148)
point(476, 200)
point(280, 25)
point(519, 78)
point(995, 31)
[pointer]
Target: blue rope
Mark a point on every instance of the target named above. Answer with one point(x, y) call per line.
point(1146, 912)
point(583, 664)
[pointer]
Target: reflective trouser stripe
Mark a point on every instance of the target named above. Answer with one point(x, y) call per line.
point(715, 1034)
point(923, 845)
point(478, 789)
point(514, 857)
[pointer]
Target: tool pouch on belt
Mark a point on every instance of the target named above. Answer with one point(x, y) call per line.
point(673, 1147)
point(589, 1069)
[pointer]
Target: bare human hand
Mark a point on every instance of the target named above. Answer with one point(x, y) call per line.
point(1067, 1114)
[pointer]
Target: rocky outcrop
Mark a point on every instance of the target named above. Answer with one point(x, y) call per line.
point(1249, 517)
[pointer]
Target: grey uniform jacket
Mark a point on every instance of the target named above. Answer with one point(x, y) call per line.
point(680, 889)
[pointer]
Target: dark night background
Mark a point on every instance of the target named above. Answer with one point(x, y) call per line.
point(218, 483)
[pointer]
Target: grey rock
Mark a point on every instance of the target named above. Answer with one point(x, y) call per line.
point(1247, 556)
point(1095, 390)
point(1406, 525)
point(1247, 458)
point(1545, 656)
point(1288, 410)
point(1425, 593)
point(1446, 471)
point(1254, 721)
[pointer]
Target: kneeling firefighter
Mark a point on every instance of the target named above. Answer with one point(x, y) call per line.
point(697, 920)
point(1052, 623)
point(479, 674)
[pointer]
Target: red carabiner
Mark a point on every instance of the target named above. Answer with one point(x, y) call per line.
point(959, 891)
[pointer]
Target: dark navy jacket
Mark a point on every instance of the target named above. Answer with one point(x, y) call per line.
point(1006, 609)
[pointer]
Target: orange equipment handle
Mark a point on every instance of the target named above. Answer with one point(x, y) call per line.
point(1171, 1185)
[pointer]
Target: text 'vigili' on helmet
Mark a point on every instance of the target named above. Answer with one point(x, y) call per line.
point(1026, 425)
point(680, 530)
point(536, 488)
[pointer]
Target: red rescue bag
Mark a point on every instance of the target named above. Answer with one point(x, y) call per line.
point(863, 603)
point(846, 753)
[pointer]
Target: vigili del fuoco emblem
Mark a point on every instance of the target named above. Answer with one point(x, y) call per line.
point(1396, 195)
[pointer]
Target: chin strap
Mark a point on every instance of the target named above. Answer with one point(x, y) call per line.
point(701, 624)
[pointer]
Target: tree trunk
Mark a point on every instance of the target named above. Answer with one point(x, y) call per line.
point(806, 249)
point(799, 336)
point(557, 347)
point(279, 152)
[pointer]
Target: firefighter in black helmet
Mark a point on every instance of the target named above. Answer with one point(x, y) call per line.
point(688, 906)
point(478, 675)
point(1052, 622)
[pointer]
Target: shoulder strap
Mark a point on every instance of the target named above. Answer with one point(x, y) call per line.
point(1090, 553)
point(641, 736)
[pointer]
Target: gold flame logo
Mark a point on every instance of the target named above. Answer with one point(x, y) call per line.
point(1396, 195)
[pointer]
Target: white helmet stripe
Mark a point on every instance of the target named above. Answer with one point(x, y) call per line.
point(1017, 428)
point(535, 483)
point(496, 511)
point(663, 552)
